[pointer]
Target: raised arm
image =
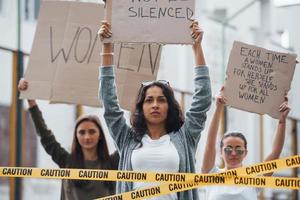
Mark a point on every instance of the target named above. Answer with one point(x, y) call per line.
point(52, 147)
point(113, 115)
point(22, 86)
point(196, 115)
point(210, 146)
point(278, 141)
point(107, 48)
point(197, 35)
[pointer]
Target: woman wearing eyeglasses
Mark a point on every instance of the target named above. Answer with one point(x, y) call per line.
point(159, 139)
point(233, 147)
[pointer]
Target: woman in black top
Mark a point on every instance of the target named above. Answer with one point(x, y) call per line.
point(89, 151)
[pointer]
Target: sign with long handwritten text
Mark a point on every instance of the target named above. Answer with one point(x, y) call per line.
point(153, 21)
point(65, 58)
point(258, 79)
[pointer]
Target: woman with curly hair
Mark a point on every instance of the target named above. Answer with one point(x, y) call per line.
point(159, 139)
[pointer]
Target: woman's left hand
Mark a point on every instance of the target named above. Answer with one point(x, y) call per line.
point(197, 32)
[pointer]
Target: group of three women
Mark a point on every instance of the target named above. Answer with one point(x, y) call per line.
point(160, 137)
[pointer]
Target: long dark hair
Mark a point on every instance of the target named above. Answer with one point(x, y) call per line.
point(175, 117)
point(77, 158)
point(233, 134)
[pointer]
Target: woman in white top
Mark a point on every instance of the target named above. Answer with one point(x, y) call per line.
point(159, 138)
point(233, 151)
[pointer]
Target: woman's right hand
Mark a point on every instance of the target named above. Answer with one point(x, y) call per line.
point(220, 99)
point(107, 48)
point(105, 30)
point(22, 86)
point(284, 110)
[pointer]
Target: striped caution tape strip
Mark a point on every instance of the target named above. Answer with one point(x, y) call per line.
point(115, 175)
point(266, 167)
point(163, 189)
point(233, 178)
point(185, 181)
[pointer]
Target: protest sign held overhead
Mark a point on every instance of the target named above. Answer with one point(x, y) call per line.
point(152, 21)
point(65, 57)
point(258, 79)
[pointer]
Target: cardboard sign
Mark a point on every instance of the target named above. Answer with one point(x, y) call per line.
point(257, 78)
point(65, 58)
point(152, 21)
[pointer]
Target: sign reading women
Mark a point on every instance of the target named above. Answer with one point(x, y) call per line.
point(65, 57)
point(258, 79)
point(152, 21)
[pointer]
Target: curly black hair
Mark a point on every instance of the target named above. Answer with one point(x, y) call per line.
point(175, 117)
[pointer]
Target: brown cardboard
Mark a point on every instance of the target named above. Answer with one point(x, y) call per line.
point(152, 21)
point(260, 86)
point(65, 58)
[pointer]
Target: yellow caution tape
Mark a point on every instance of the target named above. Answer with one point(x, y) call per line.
point(177, 182)
point(266, 167)
point(261, 182)
point(232, 177)
point(115, 175)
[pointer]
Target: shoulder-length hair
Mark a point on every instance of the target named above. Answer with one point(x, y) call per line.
point(77, 157)
point(175, 117)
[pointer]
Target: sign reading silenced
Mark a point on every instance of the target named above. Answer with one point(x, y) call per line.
point(258, 79)
point(152, 21)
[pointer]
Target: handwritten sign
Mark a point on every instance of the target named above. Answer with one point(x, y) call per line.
point(152, 21)
point(135, 63)
point(65, 58)
point(258, 79)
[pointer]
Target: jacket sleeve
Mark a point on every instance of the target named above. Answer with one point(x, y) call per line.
point(53, 148)
point(201, 101)
point(113, 115)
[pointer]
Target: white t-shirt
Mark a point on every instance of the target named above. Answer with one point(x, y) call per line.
point(218, 192)
point(156, 156)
